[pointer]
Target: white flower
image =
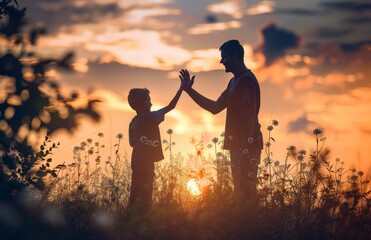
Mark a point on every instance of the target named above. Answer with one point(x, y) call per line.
point(143, 139)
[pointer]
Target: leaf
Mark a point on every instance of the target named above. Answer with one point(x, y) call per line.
point(53, 174)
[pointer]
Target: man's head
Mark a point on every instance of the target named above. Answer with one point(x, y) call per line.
point(139, 99)
point(232, 55)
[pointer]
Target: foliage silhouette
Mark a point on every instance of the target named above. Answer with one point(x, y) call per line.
point(30, 104)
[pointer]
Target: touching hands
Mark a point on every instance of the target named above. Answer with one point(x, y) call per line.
point(186, 80)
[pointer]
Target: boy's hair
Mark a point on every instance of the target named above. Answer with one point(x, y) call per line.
point(137, 96)
point(234, 47)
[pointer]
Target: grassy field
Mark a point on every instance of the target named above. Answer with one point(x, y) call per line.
point(304, 196)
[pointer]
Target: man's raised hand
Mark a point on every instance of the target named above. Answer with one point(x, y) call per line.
point(186, 79)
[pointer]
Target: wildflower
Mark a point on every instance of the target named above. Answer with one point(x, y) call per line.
point(100, 134)
point(120, 136)
point(354, 178)
point(170, 131)
point(219, 155)
point(215, 140)
point(155, 143)
point(83, 144)
point(274, 122)
point(222, 134)
point(96, 144)
point(300, 157)
point(254, 161)
point(353, 170)
point(143, 139)
point(245, 151)
point(360, 173)
point(276, 163)
point(323, 139)
point(303, 165)
point(89, 140)
point(268, 144)
point(209, 146)
point(292, 148)
point(337, 159)
point(302, 152)
point(102, 146)
point(91, 152)
point(266, 176)
point(317, 131)
point(76, 148)
point(270, 128)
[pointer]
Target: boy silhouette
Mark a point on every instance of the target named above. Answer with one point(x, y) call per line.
point(145, 139)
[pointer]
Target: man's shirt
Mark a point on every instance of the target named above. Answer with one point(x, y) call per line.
point(242, 100)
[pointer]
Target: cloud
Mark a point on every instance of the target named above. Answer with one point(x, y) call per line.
point(231, 8)
point(302, 124)
point(262, 7)
point(358, 20)
point(347, 6)
point(330, 32)
point(297, 11)
point(276, 41)
point(207, 28)
point(61, 14)
point(140, 48)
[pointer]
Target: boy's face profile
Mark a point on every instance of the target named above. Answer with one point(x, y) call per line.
point(147, 104)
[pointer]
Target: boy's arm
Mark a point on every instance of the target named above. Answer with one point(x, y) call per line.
point(212, 106)
point(174, 101)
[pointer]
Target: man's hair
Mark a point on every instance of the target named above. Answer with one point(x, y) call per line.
point(233, 47)
point(137, 96)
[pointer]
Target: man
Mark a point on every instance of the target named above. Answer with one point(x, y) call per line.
point(241, 98)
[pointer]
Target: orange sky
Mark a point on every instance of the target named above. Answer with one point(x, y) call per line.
point(312, 70)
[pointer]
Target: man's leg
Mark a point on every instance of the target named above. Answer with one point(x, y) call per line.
point(244, 168)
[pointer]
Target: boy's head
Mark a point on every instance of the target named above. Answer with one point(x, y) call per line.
point(139, 99)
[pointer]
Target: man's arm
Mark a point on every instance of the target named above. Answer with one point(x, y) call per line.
point(212, 106)
point(250, 113)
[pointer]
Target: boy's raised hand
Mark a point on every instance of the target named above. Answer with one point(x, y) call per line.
point(186, 79)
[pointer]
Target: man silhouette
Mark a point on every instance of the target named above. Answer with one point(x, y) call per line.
point(242, 135)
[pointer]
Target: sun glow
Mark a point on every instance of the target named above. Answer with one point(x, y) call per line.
point(193, 187)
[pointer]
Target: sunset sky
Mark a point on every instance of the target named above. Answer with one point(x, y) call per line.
point(311, 57)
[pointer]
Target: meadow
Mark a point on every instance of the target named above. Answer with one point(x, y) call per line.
point(306, 195)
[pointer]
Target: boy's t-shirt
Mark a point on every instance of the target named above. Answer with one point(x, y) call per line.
point(144, 137)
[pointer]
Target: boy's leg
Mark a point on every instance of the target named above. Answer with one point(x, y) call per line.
point(142, 187)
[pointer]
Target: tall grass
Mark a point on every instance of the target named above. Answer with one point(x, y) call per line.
point(306, 195)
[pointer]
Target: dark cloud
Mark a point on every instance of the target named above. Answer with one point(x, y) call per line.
point(358, 20)
point(326, 32)
point(211, 18)
point(297, 11)
point(347, 6)
point(302, 124)
point(57, 14)
point(276, 41)
point(354, 47)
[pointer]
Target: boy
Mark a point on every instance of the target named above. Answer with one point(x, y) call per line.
point(144, 138)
